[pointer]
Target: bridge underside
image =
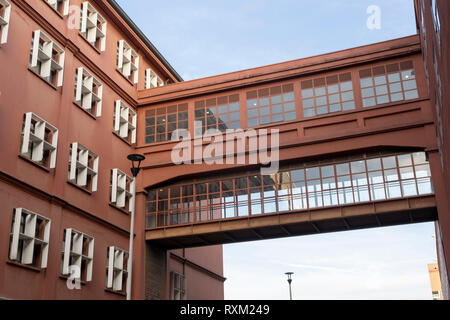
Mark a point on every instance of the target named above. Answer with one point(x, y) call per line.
point(323, 220)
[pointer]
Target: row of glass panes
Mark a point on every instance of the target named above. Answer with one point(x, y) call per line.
point(330, 185)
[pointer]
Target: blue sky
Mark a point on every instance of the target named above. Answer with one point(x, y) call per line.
point(203, 38)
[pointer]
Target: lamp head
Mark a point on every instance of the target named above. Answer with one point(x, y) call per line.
point(136, 160)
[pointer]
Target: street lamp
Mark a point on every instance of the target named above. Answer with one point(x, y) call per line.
point(289, 275)
point(136, 160)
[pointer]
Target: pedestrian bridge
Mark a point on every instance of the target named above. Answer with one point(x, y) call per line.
point(348, 193)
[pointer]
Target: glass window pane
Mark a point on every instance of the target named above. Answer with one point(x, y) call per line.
point(381, 90)
point(396, 87)
point(309, 113)
point(277, 108)
point(408, 74)
point(404, 160)
point(253, 103)
point(327, 171)
point(321, 101)
point(290, 116)
point(394, 77)
point(308, 93)
point(289, 96)
point(411, 84)
point(358, 166)
point(342, 169)
point(382, 99)
point(335, 108)
point(380, 80)
point(290, 106)
point(370, 102)
point(308, 103)
point(411, 95)
point(333, 89)
point(349, 105)
point(335, 98)
point(397, 97)
point(320, 91)
point(345, 86)
point(366, 82)
point(298, 175)
point(389, 163)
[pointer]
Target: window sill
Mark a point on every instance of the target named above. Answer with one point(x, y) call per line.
point(123, 76)
point(79, 187)
point(119, 293)
point(20, 265)
point(120, 209)
point(87, 112)
point(34, 163)
point(39, 76)
point(64, 277)
point(123, 139)
point(94, 47)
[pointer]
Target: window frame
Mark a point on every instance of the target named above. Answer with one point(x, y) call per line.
point(70, 250)
point(152, 80)
point(123, 127)
point(120, 194)
point(91, 20)
point(117, 269)
point(182, 291)
point(42, 60)
point(4, 21)
point(85, 95)
point(164, 114)
point(81, 178)
point(127, 61)
point(29, 234)
point(38, 140)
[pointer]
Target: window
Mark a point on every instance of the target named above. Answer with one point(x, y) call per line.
point(78, 254)
point(327, 95)
point(61, 6)
point(127, 61)
point(271, 105)
point(30, 235)
point(47, 58)
point(5, 13)
point(218, 113)
point(305, 186)
point(125, 120)
point(88, 92)
point(116, 270)
point(152, 80)
point(39, 140)
point(161, 122)
point(121, 189)
point(93, 26)
point(178, 286)
point(390, 83)
point(83, 167)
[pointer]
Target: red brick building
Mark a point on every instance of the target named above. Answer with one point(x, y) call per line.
point(361, 144)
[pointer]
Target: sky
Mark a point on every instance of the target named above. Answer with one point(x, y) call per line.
point(202, 38)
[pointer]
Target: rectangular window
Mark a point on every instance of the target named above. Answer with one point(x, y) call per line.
point(327, 95)
point(29, 238)
point(121, 189)
point(83, 167)
point(271, 105)
point(152, 80)
point(125, 121)
point(77, 255)
point(93, 26)
point(218, 113)
point(88, 92)
point(390, 83)
point(127, 61)
point(116, 270)
point(5, 13)
point(47, 58)
point(61, 6)
point(39, 140)
point(178, 286)
point(161, 122)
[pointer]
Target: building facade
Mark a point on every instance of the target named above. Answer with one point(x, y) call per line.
point(361, 144)
point(70, 76)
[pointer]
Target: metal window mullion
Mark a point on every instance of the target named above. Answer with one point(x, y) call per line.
point(83, 156)
point(38, 147)
point(121, 183)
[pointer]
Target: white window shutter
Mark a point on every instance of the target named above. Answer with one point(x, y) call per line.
point(16, 232)
point(54, 152)
point(28, 245)
point(79, 84)
point(133, 132)
point(35, 49)
point(26, 133)
point(91, 261)
point(73, 162)
point(120, 54)
point(4, 28)
point(44, 258)
point(110, 267)
point(117, 118)
point(95, 178)
point(84, 15)
point(131, 201)
point(66, 258)
point(114, 186)
point(61, 72)
point(99, 104)
point(66, 8)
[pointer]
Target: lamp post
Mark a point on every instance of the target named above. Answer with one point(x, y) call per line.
point(289, 275)
point(135, 168)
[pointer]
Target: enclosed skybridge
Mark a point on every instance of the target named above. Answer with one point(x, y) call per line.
point(362, 191)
